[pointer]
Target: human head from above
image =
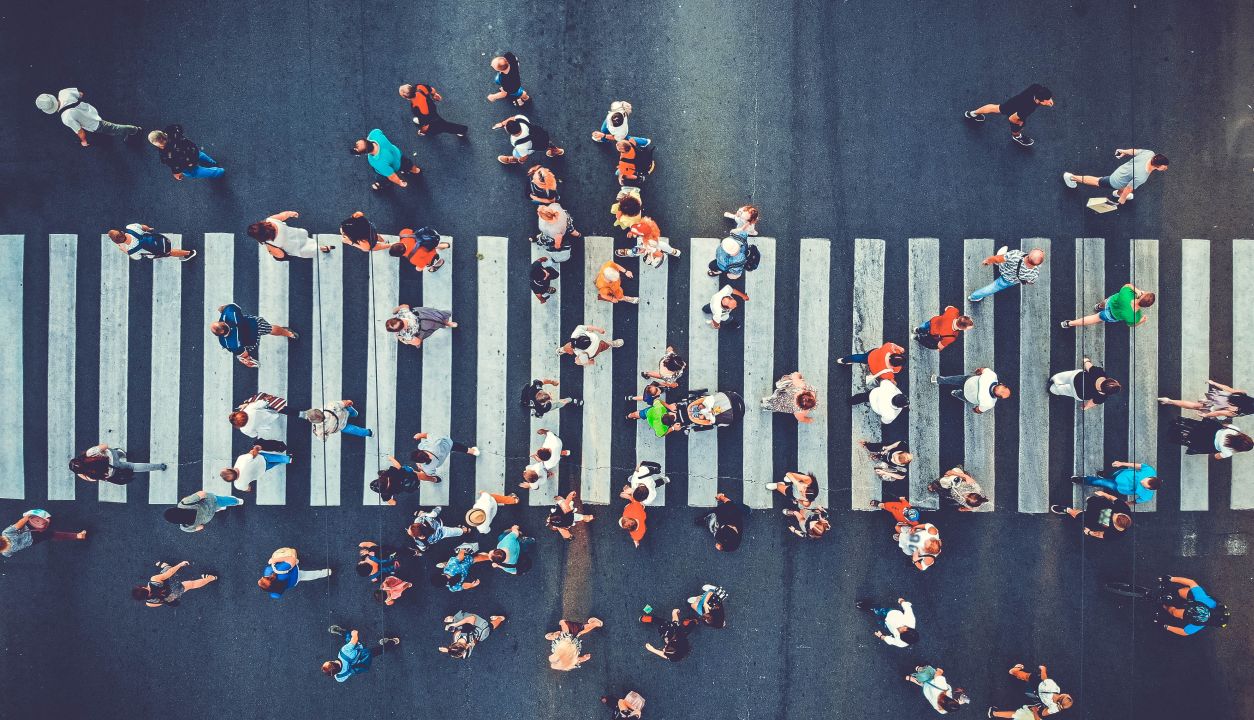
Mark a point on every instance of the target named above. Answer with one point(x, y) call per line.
point(1146, 299)
point(361, 146)
point(1043, 96)
point(896, 359)
point(500, 64)
point(48, 103)
point(1035, 257)
point(219, 328)
point(180, 516)
point(394, 325)
point(407, 91)
point(628, 524)
point(262, 231)
point(117, 236)
point(1158, 162)
point(158, 138)
point(314, 415)
point(611, 275)
point(964, 322)
point(513, 127)
point(549, 213)
point(1002, 391)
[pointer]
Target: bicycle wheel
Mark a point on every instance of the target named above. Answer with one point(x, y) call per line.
point(1124, 589)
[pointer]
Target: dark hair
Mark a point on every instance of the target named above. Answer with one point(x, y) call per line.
point(670, 418)
point(966, 321)
point(394, 324)
point(353, 148)
point(900, 401)
point(909, 636)
point(975, 500)
point(947, 703)
point(727, 538)
point(94, 467)
point(497, 555)
point(897, 359)
point(513, 127)
point(1153, 482)
point(583, 342)
point(421, 456)
point(1242, 402)
point(1111, 386)
point(1147, 299)
point(1040, 92)
point(640, 493)
point(1239, 442)
point(1121, 521)
point(630, 205)
point(261, 231)
point(142, 593)
point(1159, 160)
point(544, 453)
point(652, 390)
point(331, 667)
point(397, 250)
point(457, 649)
point(452, 580)
point(365, 568)
point(422, 530)
point(806, 400)
point(180, 516)
point(674, 363)
point(715, 614)
point(616, 119)
point(753, 213)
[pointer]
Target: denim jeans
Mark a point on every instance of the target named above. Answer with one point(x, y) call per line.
point(226, 501)
point(994, 287)
point(200, 171)
point(1101, 482)
point(855, 358)
point(882, 613)
point(275, 459)
point(354, 430)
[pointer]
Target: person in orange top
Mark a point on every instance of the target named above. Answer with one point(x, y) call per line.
point(421, 249)
point(942, 330)
point(610, 283)
point(650, 246)
point(633, 516)
point(422, 100)
point(884, 361)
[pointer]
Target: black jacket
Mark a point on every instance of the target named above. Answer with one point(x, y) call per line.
point(179, 153)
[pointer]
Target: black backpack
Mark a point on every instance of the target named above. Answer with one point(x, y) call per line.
point(753, 258)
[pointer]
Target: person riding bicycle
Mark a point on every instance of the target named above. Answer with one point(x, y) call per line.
point(1191, 604)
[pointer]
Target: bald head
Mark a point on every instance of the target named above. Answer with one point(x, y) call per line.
point(1036, 256)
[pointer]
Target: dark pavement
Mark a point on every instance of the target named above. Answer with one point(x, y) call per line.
point(840, 120)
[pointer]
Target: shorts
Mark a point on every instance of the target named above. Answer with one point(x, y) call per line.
point(1104, 182)
point(516, 94)
point(264, 327)
point(642, 410)
point(1106, 316)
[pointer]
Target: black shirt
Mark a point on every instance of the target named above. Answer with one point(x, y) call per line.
point(675, 645)
point(541, 274)
point(1086, 382)
point(529, 401)
point(179, 153)
point(511, 80)
point(1023, 104)
point(393, 482)
point(1098, 514)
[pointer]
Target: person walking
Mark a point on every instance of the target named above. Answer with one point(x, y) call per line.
point(939, 694)
point(396, 479)
point(884, 398)
point(547, 456)
point(1014, 267)
point(34, 527)
point(250, 466)
point(565, 646)
point(1105, 516)
point(802, 489)
point(196, 510)
point(427, 530)
point(609, 283)
point(635, 162)
point(184, 157)
point(721, 306)
point(508, 553)
point(357, 231)
point(627, 707)
point(896, 625)
point(283, 241)
point(1209, 437)
point(670, 368)
point(541, 275)
point(538, 401)
point(261, 417)
point(1051, 699)
point(283, 573)
point(586, 342)
point(483, 512)
point(334, 418)
point(884, 361)
point(556, 228)
point(82, 117)
point(565, 513)
point(102, 462)
point(1125, 306)
point(509, 79)
point(726, 522)
point(391, 589)
point(163, 589)
point(673, 633)
point(812, 522)
point(542, 185)
point(746, 221)
point(240, 333)
point(650, 246)
point(1089, 385)
point(388, 161)
point(1219, 401)
point(710, 606)
point(628, 209)
point(456, 570)
point(981, 389)
point(959, 489)
point(1017, 110)
point(413, 325)
point(634, 516)
point(902, 511)
point(615, 126)
point(422, 100)
point(525, 138)
point(1127, 177)
point(921, 542)
point(1137, 482)
point(468, 631)
point(643, 483)
point(421, 248)
point(376, 561)
point(890, 459)
point(142, 242)
point(432, 454)
point(942, 330)
point(731, 258)
point(354, 657)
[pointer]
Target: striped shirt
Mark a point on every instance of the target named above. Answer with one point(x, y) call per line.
point(1016, 270)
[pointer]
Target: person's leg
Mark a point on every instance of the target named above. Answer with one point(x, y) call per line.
point(273, 459)
point(1020, 674)
point(1082, 321)
point(854, 358)
point(139, 467)
point(226, 501)
point(304, 575)
point(860, 398)
point(1062, 383)
point(115, 129)
point(505, 499)
point(68, 535)
point(994, 287)
point(989, 109)
point(951, 379)
point(198, 583)
point(896, 508)
point(274, 446)
point(356, 431)
point(1100, 482)
point(452, 531)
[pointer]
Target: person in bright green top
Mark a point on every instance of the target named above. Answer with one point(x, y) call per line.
point(661, 418)
point(1125, 306)
point(385, 158)
point(1137, 481)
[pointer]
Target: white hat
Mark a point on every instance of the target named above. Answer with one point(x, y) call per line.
point(730, 246)
point(47, 103)
point(621, 106)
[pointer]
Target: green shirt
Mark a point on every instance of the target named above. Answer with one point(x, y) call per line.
point(1120, 306)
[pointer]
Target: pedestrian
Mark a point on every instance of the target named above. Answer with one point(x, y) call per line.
point(542, 185)
point(1050, 696)
point(508, 553)
point(542, 274)
point(34, 527)
point(746, 221)
point(184, 157)
point(431, 454)
point(609, 283)
point(163, 589)
point(1124, 306)
point(1183, 600)
point(942, 330)
point(710, 606)
point(427, 529)
point(261, 417)
point(726, 522)
point(890, 459)
point(652, 394)
point(413, 325)
point(422, 100)
point(1105, 516)
point(546, 458)
point(586, 343)
point(283, 573)
point(538, 401)
point(556, 230)
point(634, 516)
point(1090, 385)
point(936, 689)
point(614, 127)
point(483, 512)
point(395, 479)
point(509, 79)
point(1209, 436)
point(387, 160)
point(565, 646)
point(391, 589)
point(421, 248)
point(250, 466)
point(981, 389)
point(1014, 267)
point(82, 117)
point(334, 418)
point(670, 368)
point(283, 241)
point(960, 489)
point(1127, 177)
point(674, 634)
point(102, 462)
point(635, 162)
point(468, 631)
point(650, 246)
point(731, 258)
point(793, 395)
point(456, 570)
point(525, 138)
point(813, 521)
point(1136, 481)
point(240, 333)
point(196, 510)
point(376, 561)
point(884, 398)
point(628, 209)
point(644, 481)
point(1017, 110)
point(802, 489)
point(902, 511)
point(142, 242)
point(884, 361)
point(721, 306)
point(1219, 401)
point(354, 657)
point(627, 707)
point(661, 416)
point(921, 542)
point(564, 514)
point(357, 231)
point(896, 626)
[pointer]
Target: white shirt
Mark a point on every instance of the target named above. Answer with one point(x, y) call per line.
point(263, 422)
point(720, 313)
point(1046, 692)
point(547, 469)
point(913, 539)
point(82, 117)
point(978, 390)
point(618, 133)
point(881, 400)
point(584, 355)
point(896, 619)
point(250, 470)
point(334, 418)
point(293, 241)
point(488, 505)
point(557, 228)
point(131, 241)
point(1223, 450)
point(638, 478)
point(933, 689)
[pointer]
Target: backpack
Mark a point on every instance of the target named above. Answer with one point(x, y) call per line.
point(155, 244)
point(753, 258)
point(425, 238)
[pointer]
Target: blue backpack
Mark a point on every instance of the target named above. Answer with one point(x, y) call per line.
point(154, 244)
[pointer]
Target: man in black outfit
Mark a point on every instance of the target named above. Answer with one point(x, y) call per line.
point(509, 78)
point(726, 523)
point(538, 401)
point(543, 272)
point(1016, 109)
point(1106, 516)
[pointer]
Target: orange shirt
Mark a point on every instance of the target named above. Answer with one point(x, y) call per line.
point(418, 257)
point(877, 360)
point(635, 511)
point(942, 326)
point(420, 101)
point(610, 291)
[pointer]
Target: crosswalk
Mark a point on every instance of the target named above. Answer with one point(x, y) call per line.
point(852, 280)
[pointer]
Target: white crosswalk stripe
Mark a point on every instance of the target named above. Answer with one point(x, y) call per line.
point(921, 364)
point(490, 390)
point(702, 371)
point(979, 428)
point(1242, 362)
point(545, 365)
point(12, 443)
point(114, 361)
point(272, 304)
point(651, 343)
point(1142, 381)
point(62, 362)
point(165, 371)
point(1035, 366)
point(217, 396)
point(599, 413)
point(381, 358)
point(326, 344)
point(1194, 360)
point(759, 354)
point(1090, 341)
point(437, 359)
point(813, 350)
point(868, 334)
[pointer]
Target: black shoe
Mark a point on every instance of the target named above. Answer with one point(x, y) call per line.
point(1077, 479)
point(577, 402)
point(1023, 140)
point(978, 117)
point(864, 605)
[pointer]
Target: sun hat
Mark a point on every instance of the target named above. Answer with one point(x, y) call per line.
point(47, 103)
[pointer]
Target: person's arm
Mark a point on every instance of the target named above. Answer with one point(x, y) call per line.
point(1183, 581)
point(655, 651)
point(1088, 405)
point(1144, 319)
point(255, 450)
point(82, 137)
point(1126, 152)
point(548, 381)
point(396, 179)
point(1221, 386)
point(1044, 674)
point(595, 329)
point(993, 260)
point(740, 295)
point(1173, 629)
point(1103, 493)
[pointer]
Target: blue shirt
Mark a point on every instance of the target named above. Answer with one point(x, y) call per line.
point(508, 542)
point(459, 570)
point(1128, 482)
point(242, 333)
point(1197, 594)
point(731, 263)
point(354, 658)
point(287, 574)
point(388, 161)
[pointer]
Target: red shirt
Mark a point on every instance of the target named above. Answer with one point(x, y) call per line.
point(877, 360)
point(942, 326)
point(635, 511)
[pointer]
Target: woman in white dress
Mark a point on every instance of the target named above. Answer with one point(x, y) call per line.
point(283, 241)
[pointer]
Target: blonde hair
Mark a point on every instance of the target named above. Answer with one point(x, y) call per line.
point(157, 136)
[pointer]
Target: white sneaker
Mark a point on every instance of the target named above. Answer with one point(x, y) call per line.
point(1069, 180)
point(473, 451)
point(1115, 195)
point(616, 343)
point(693, 600)
point(708, 588)
point(1002, 250)
point(772, 486)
